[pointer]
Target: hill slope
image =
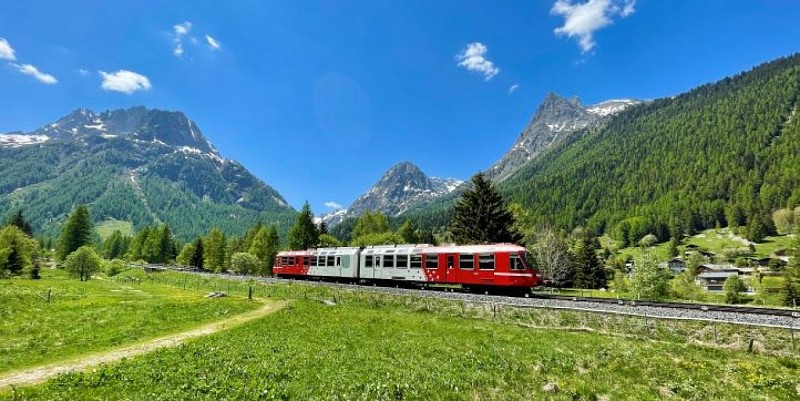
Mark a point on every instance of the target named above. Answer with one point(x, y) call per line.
point(726, 153)
point(139, 165)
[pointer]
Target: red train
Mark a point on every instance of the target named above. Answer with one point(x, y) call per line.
point(473, 267)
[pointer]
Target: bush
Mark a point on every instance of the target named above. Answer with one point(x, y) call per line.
point(113, 267)
point(732, 287)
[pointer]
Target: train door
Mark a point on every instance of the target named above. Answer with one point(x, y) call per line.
point(338, 266)
point(450, 268)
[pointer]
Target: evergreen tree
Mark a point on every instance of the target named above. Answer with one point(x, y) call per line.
point(304, 234)
point(408, 233)
point(673, 248)
point(198, 256)
point(136, 249)
point(17, 250)
point(215, 250)
point(273, 246)
point(19, 221)
point(329, 241)
point(184, 258)
point(790, 293)
point(151, 250)
point(589, 272)
point(76, 232)
point(427, 237)
point(166, 245)
point(112, 246)
point(481, 216)
point(83, 262)
point(323, 227)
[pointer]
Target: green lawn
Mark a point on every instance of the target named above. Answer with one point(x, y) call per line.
point(352, 351)
point(86, 317)
point(106, 228)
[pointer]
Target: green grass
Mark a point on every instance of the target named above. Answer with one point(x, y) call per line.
point(354, 351)
point(106, 228)
point(86, 317)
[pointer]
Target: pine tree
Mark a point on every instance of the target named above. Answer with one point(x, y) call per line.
point(273, 245)
point(323, 227)
point(198, 257)
point(166, 245)
point(673, 247)
point(427, 237)
point(481, 216)
point(214, 252)
point(589, 272)
point(136, 248)
point(18, 220)
point(304, 234)
point(184, 258)
point(408, 233)
point(76, 232)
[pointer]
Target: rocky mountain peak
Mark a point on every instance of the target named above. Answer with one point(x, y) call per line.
point(556, 118)
point(401, 186)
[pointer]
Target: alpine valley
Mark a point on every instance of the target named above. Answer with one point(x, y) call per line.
point(138, 165)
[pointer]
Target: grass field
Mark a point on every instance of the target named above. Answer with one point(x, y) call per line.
point(106, 228)
point(312, 351)
point(85, 317)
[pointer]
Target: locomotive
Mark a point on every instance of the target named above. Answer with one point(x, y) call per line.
point(474, 267)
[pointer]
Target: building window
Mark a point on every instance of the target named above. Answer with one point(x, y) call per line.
point(388, 261)
point(486, 261)
point(466, 261)
point(416, 261)
point(402, 261)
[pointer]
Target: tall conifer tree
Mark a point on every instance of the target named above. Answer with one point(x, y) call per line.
point(304, 234)
point(76, 232)
point(481, 216)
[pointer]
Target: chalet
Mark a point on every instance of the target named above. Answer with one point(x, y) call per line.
point(713, 280)
point(677, 265)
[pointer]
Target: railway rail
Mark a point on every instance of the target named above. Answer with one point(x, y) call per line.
point(743, 315)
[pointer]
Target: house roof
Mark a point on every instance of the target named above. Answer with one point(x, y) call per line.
point(716, 275)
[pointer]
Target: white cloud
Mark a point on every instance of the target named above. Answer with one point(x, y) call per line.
point(333, 205)
point(6, 51)
point(31, 70)
point(473, 58)
point(212, 43)
point(83, 72)
point(124, 81)
point(180, 30)
point(581, 20)
point(513, 88)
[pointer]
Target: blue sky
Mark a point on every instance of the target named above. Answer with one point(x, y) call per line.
point(319, 98)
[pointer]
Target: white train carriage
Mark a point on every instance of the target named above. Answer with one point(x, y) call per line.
point(393, 262)
point(334, 262)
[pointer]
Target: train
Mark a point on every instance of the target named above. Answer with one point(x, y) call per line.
point(477, 268)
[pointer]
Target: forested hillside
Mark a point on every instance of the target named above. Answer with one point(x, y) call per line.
point(139, 165)
point(722, 154)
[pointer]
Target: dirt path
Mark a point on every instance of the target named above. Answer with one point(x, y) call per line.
point(39, 374)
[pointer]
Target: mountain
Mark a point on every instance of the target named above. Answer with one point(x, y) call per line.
point(141, 165)
point(554, 120)
point(400, 187)
point(726, 153)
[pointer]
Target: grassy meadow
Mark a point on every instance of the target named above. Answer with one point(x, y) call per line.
point(86, 317)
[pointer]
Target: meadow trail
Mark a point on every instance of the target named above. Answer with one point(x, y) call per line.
point(39, 374)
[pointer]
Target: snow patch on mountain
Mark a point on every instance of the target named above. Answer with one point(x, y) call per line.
point(610, 107)
point(17, 140)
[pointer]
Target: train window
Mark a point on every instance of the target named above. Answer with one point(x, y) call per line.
point(388, 261)
point(432, 261)
point(377, 261)
point(466, 261)
point(402, 261)
point(291, 260)
point(486, 261)
point(329, 261)
point(516, 263)
point(306, 260)
point(416, 261)
point(368, 261)
point(284, 261)
point(338, 261)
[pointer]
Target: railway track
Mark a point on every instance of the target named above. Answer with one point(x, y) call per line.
point(744, 315)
